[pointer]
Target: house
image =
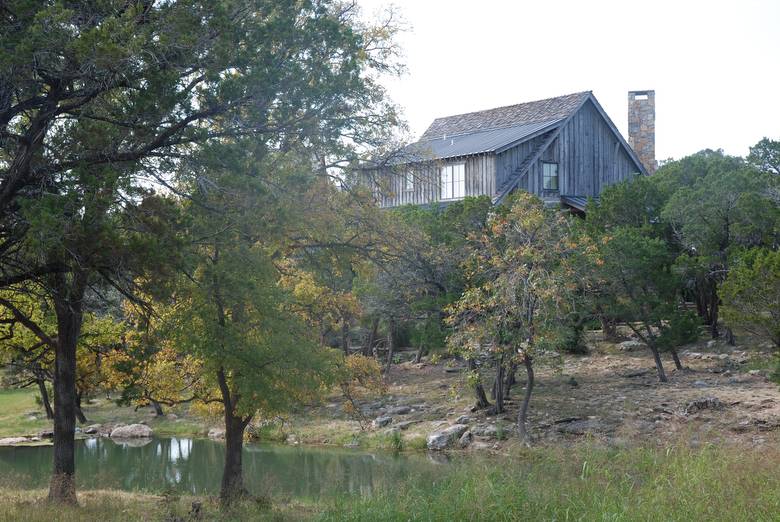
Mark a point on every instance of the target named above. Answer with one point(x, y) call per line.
point(563, 149)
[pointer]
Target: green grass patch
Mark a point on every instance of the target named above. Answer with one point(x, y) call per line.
point(587, 483)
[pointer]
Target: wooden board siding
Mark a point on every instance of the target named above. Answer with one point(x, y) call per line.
point(479, 175)
point(589, 155)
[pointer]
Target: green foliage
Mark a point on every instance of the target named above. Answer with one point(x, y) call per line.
point(683, 328)
point(751, 293)
point(765, 156)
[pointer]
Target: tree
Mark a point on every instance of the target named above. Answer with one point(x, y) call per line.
point(722, 207)
point(765, 156)
point(637, 285)
point(751, 293)
point(517, 291)
point(99, 101)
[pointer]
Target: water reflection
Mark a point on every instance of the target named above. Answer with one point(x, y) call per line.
point(195, 466)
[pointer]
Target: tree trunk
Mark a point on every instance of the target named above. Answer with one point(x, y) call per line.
point(79, 412)
point(68, 308)
point(420, 352)
point(390, 328)
point(676, 358)
point(158, 409)
point(479, 390)
point(345, 336)
point(658, 364)
point(510, 379)
point(608, 328)
point(730, 339)
point(498, 386)
point(45, 398)
point(714, 314)
point(369, 347)
point(522, 415)
point(232, 488)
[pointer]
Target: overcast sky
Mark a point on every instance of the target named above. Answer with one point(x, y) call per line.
point(714, 65)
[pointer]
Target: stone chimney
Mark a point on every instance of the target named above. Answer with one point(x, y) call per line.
point(641, 126)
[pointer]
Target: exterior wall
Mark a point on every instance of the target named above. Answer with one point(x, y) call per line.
point(480, 171)
point(589, 155)
point(510, 160)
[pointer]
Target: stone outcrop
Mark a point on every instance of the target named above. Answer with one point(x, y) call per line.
point(132, 431)
point(443, 439)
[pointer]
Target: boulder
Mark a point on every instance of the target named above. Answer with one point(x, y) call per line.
point(11, 441)
point(405, 424)
point(217, 433)
point(443, 439)
point(132, 431)
point(92, 429)
point(705, 403)
point(630, 346)
point(490, 431)
point(381, 422)
point(463, 419)
point(292, 440)
point(465, 439)
point(399, 410)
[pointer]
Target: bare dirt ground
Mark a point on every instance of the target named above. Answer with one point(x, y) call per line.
point(612, 396)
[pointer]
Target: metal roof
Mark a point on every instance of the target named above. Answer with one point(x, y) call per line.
point(473, 143)
point(578, 202)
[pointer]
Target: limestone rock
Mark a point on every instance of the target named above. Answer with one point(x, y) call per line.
point(442, 439)
point(463, 419)
point(93, 429)
point(405, 424)
point(217, 433)
point(381, 422)
point(465, 439)
point(132, 431)
point(399, 410)
point(630, 346)
point(705, 403)
point(11, 441)
point(579, 427)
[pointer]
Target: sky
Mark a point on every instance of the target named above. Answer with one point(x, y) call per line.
point(714, 65)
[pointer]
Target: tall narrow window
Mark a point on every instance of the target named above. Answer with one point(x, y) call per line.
point(409, 180)
point(453, 181)
point(550, 176)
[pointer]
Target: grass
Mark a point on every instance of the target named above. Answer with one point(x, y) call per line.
point(579, 483)
point(587, 483)
point(16, 407)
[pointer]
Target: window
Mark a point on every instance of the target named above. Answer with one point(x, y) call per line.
point(453, 181)
point(550, 176)
point(409, 180)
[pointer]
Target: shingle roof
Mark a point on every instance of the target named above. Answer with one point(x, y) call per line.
point(512, 115)
point(473, 143)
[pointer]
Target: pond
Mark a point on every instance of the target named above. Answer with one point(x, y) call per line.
point(194, 466)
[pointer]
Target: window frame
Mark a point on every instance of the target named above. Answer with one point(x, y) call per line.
point(546, 176)
point(408, 180)
point(447, 187)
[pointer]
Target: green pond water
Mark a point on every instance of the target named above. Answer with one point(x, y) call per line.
point(195, 466)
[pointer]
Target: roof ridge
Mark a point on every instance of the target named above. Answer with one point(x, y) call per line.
point(513, 105)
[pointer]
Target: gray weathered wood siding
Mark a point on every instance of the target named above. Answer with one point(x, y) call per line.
point(479, 173)
point(589, 155)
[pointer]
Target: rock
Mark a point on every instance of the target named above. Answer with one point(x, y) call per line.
point(572, 382)
point(292, 440)
point(579, 427)
point(93, 429)
point(480, 445)
point(46, 434)
point(133, 431)
point(11, 441)
point(217, 433)
point(172, 416)
point(442, 439)
point(705, 403)
point(754, 372)
point(700, 384)
point(712, 344)
point(399, 410)
point(463, 419)
point(405, 424)
point(465, 440)
point(392, 431)
point(636, 373)
point(490, 431)
point(381, 422)
point(630, 346)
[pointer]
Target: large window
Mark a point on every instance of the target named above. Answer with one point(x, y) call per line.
point(550, 176)
point(453, 181)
